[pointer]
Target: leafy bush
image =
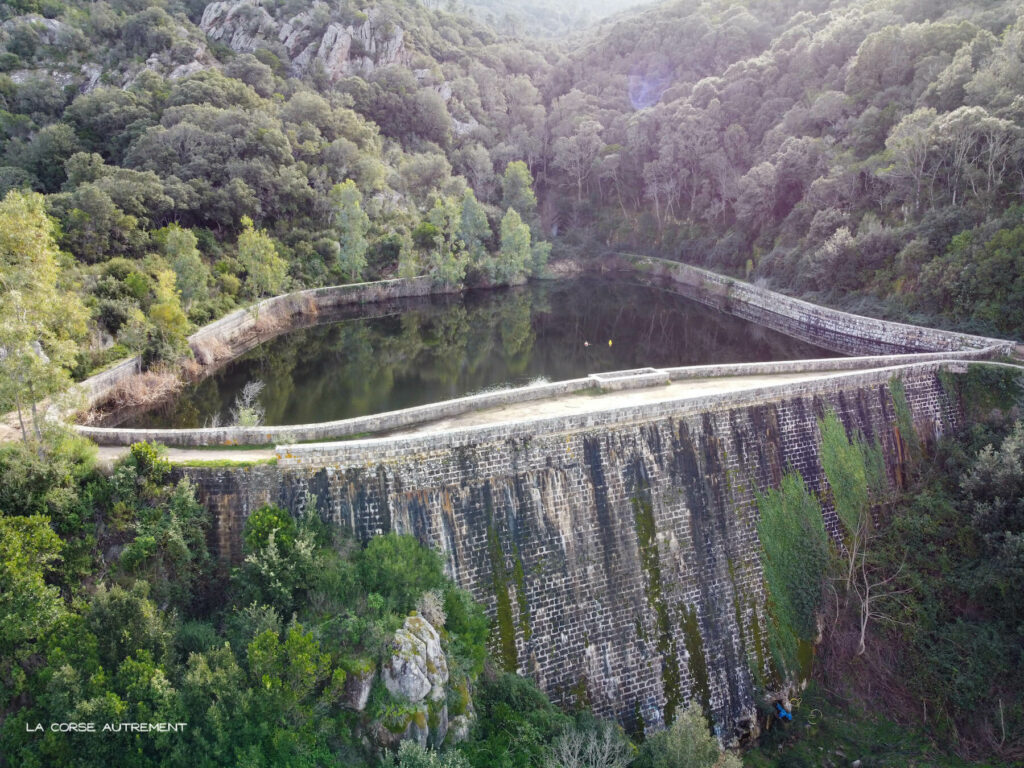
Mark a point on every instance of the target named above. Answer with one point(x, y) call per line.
point(400, 570)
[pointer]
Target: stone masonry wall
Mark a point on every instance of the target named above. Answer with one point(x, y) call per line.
point(618, 552)
point(826, 327)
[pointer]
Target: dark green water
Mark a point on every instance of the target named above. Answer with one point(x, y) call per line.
point(424, 350)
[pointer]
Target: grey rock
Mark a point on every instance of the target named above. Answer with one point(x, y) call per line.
point(245, 26)
point(48, 31)
point(458, 729)
point(357, 689)
point(417, 666)
point(438, 726)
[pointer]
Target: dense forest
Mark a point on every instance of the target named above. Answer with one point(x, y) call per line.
point(164, 162)
point(867, 154)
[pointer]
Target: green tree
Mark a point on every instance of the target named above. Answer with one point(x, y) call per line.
point(408, 262)
point(352, 224)
point(192, 275)
point(540, 252)
point(168, 528)
point(446, 255)
point(280, 559)
point(167, 337)
point(125, 622)
point(688, 743)
point(400, 570)
point(474, 229)
point(39, 323)
point(795, 563)
point(29, 606)
point(292, 682)
point(513, 260)
point(846, 467)
point(517, 190)
point(266, 273)
point(516, 723)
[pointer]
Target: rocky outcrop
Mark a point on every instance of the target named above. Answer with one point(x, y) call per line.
point(416, 674)
point(304, 40)
point(417, 667)
point(48, 31)
point(358, 684)
point(244, 25)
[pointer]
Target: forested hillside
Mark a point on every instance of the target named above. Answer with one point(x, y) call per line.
point(867, 153)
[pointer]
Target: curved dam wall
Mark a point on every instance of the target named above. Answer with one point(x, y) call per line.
point(616, 551)
point(242, 330)
point(825, 327)
point(236, 333)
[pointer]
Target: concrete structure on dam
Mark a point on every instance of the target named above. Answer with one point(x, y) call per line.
point(608, 524)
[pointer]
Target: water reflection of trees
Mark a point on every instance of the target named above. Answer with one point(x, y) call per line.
point(443, 348)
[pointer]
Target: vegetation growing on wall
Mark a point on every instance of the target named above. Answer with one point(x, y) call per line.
point(643, 515)
point(923, 636)
point(795, 564)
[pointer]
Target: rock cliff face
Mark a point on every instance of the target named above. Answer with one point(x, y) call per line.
point(309, 39)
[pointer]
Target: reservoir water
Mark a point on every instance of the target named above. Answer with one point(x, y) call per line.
point(420, 351)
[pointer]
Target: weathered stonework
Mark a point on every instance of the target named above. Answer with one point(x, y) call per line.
point(616, 551)
point(826, 327)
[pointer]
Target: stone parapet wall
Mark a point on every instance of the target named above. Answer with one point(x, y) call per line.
point(829, 328)
point(423, 414)
point(616, 552)
point(371, 449)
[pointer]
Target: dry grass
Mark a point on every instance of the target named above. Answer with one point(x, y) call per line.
point(267, 324)
point(140, 391)
point(212, 351)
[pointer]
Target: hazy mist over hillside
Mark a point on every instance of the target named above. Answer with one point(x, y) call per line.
point(545, 18)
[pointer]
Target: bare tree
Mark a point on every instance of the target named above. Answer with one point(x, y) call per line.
point(870, 594)
point(603, 748)
point(248, 412)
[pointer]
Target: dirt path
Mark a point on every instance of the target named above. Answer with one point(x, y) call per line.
point(107, 455)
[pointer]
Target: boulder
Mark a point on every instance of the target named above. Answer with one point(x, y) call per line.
point(417, 667)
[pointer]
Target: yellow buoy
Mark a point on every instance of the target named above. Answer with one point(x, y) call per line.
point(609, 342)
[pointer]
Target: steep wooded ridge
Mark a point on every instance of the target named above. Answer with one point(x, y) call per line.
point(868, 154)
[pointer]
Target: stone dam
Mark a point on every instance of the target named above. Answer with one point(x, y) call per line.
point(617, 553)
point(615, 548)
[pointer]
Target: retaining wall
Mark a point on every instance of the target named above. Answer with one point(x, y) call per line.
point(617, 551)
point(828, 328)
point(244, 329)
